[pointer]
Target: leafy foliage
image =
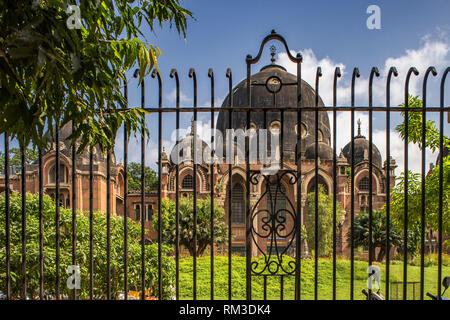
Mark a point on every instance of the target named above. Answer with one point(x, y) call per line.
point(82, 250)
point(415, 127)
point(325, 212)
point(50, 73)
point(186, 225)
point(134, 178)
point(431, 180)
point(379, 225)
point(15, 160)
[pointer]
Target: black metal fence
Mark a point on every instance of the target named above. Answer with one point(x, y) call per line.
point(274, 262)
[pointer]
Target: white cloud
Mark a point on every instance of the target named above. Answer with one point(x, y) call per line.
point(430, 53)
point(185, 100)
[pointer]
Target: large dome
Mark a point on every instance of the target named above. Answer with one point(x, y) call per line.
point(284, 95)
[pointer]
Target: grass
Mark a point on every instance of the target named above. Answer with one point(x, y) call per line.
point(325, 268)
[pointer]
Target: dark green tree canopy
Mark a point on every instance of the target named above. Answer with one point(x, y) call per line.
point(325, 226)
point(432, 198)
point(134, 178)
point(50, 73)
point(379, 225)
point(186, 226)
point(82, 250)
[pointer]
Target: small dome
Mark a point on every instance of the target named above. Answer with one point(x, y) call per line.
point(184, 150)
point(362, 152)
point(66, 149)
point(325, 152)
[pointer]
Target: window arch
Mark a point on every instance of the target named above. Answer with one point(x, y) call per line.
point(188, 182)
point(364, 184)
point(275, 127)
point(63, 174)
point(237, 204)
point(312, 184)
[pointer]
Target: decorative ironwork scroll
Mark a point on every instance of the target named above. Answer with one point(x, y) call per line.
point(273, 219)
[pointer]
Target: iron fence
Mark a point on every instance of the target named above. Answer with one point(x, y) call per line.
point(274, 265)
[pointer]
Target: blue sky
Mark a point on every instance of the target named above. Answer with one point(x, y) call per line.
point(327, 33)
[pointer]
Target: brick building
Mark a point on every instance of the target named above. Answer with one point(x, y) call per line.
point(283, 194)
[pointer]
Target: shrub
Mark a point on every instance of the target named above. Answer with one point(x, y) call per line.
point(82, 251)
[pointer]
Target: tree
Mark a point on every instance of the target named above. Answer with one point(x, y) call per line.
point(325, 212)
point(56, 71)
point(379, 225)
point(82, 250)
point(134, 178)
point(15, 158)
point(414, 179)
point(186, 223)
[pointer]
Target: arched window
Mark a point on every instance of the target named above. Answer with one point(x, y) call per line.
point(63, 174)
point(275, 127)
point(237, 204)
point(138, 212)
point(312, 184)
point(188, 182)
point(364, 184)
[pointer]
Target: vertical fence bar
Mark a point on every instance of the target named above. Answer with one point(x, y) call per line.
point(211, 76)
point(194, 130)
point(373, 72)
point(91, 223)
point(423, 173)
point(248, 248)
point(74, 213)
point(298, 241)
point(41, 228)
point(125, 198)
point(316, 182)
point(23, 149)
point(392, 71)
point(281, 287)
point(155, 73)
point(352, 188)
point(174, 74)
point(406, 181)
point(265, 286)
point(108, 225)
point(441, 178)
point(57, 235)
point(230, 177)
point(142, 192)
point(7, 221)
point(337, 74)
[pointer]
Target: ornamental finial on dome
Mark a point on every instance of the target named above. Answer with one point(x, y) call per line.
point(273, 51)
point(359, 127)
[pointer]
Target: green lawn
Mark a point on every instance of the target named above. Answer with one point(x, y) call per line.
point(307, 279)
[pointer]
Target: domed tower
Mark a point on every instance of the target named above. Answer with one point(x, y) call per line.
point(66, 148)
point(362, 150)
point(274, 87)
